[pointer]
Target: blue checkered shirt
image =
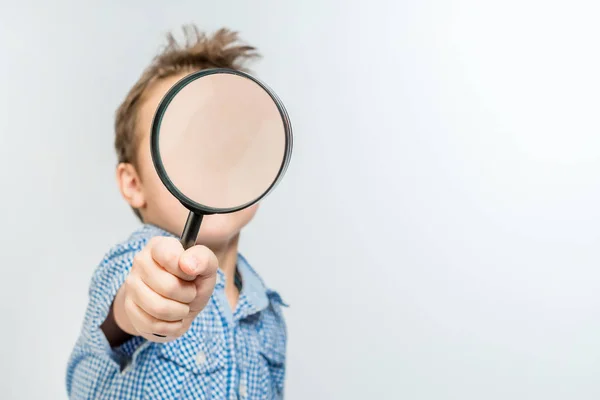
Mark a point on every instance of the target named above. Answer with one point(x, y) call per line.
point(224, 355)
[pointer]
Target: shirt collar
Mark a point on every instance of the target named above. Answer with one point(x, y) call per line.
point(253, 288)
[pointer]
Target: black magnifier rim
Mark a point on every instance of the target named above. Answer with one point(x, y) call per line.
point(155, 132)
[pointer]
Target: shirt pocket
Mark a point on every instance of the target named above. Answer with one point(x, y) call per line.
point(187, 368)
point(274, 357)
point(272, 337)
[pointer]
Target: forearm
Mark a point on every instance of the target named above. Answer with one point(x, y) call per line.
point(117, 328)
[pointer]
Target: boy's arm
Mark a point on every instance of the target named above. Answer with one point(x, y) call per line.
point(94, 362)
point(131, 298)
point(114, 334)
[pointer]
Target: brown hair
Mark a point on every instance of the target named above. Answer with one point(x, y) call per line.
point(199, 51)
point(221, 50)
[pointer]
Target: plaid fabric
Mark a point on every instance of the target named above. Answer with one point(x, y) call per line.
point(224, 355)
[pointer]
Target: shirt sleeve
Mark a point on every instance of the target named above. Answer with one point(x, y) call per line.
point(93, 365)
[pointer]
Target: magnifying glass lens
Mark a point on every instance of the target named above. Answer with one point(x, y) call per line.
point(222, 141)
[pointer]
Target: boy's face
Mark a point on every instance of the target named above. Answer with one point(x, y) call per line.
point(154, 201)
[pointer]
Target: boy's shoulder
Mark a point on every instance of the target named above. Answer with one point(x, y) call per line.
point(135, 242)
point(146, 232)
point(119, 258)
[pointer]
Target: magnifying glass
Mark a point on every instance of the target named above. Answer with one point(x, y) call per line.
point(221, 140)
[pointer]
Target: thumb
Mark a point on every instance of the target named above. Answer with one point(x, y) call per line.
point(198, 261)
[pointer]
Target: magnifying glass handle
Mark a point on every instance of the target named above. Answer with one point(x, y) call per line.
point(191, 229)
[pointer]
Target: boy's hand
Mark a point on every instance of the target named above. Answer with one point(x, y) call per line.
point(166, 288)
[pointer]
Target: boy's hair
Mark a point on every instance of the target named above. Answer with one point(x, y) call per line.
point(221, 50)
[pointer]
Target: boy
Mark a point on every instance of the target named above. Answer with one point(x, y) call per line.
point(166, 323)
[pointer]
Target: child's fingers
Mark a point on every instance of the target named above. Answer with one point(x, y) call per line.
point(167, 284)
point(148, 325)
point(203, 262)
point(153, 303)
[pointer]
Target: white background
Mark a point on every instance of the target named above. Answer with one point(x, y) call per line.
point(436, 235)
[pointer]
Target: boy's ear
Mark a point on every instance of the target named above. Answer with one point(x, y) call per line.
point(130, 185)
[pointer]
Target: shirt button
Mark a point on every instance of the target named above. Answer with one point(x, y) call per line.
point(243, 390)
point(219, 280)
point(200, 358)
